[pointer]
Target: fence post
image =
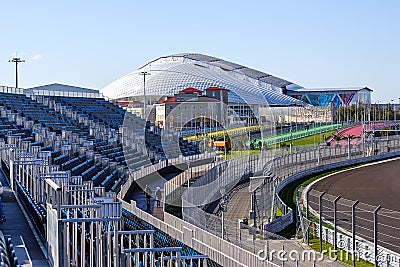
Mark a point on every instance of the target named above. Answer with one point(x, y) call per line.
point(376, 235)
point(308, 216)
point(320, 221)
point(348, 148)
point(240, 234)
point(353, 230)
point(335, 222)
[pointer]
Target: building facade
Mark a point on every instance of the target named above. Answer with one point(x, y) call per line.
point(337, 97)
point(189, 110)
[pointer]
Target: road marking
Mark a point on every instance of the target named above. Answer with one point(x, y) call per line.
point(26, 250)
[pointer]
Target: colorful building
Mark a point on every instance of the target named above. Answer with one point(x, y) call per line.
point(338, 97)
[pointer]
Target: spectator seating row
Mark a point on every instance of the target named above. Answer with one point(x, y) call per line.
point(7, 252)
point(97, 109)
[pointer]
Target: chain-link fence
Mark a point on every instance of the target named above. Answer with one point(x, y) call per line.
point(370, 230)
point(279, 168)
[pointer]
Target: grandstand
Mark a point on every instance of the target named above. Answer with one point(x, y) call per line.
point(8, 256)
point(71, 156)
point(53, 143)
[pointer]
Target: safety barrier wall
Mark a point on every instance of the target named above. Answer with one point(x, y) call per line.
point(282, 222)
point(375, 235)
point(364, 249)
point(285, 164)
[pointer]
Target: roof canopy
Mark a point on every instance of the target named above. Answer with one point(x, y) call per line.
point(172, 74)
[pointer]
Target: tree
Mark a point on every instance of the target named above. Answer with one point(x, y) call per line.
point(252, 146)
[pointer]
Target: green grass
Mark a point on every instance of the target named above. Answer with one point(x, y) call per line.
point(288, 196)
point(312, 139)
point(238, 154)
point(278, 212)
point(342, 255)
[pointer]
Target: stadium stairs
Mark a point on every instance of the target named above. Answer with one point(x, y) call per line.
point(61, 126)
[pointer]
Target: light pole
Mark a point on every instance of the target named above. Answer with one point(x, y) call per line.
point(181, 121)
point(394, 110)
point(144, 73)
point(16, 60)
point(189, 169)
point(223, 203)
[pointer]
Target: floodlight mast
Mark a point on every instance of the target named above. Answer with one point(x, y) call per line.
point(144, 73)
point(16, 60)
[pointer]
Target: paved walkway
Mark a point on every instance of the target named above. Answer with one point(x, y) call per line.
point(16, 225)
point(240, 204)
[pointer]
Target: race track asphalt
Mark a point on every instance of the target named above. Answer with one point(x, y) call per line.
point(373, 185)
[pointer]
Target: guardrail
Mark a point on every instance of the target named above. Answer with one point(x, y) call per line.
point(285, 168)
point(219, 250)
point(370, 232)
point(329, 162)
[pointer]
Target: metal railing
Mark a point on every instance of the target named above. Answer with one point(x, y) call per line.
point(282, 169)
point(369, 232)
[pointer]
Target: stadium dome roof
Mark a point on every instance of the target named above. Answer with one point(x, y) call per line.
point(171, 74)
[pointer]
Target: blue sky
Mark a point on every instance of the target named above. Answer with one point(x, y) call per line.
point(311, 43)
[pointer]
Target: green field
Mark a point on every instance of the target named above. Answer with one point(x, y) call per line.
point(238, 154)
point(312, 139)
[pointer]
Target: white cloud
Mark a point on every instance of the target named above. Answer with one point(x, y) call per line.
point(36, 57)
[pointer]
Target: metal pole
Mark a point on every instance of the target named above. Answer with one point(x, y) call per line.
point(335, 223)
point(348, 148)
point(376, 235)
point(222, 226)
point(16, 60)
point(320, 221)
point(254, 215)
point(16, 74)
point(353, 230)
point(144, 73)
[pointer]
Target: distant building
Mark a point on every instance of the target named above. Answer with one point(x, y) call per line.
point(57, 89)
point(134, 107)
point(338, 97)
point(190, 109)
point(251, 95)
point(171, 74)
